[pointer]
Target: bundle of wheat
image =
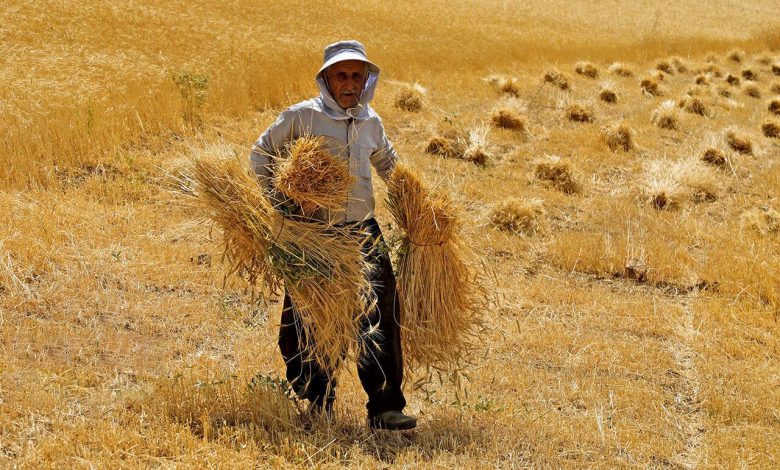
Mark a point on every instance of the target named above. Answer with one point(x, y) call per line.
point(518, 216)
point(618, 136)
point(621, 70)
point(410, 97)
point(579, 112)
point(556, 78)
point(724, 92)
point(510, 86)
point(607, 93)
point(504, 85)
point(736, 56)
point(679, 64)
point(477, 147)
point(738, 142)
point(665, 66)
point(752, 91)
point(587, 69)
point(714, 156)
point(309, 175)
point(662, 187)
point(321, 267)
point(441, 294)
point(442, 145)
point(694, 105)
point(650, 86)
point(668, 184)
point(774, 107)
point(750, 75)
point(666, 116)
point(509, 116)
point(771, 128)
point(557, 173)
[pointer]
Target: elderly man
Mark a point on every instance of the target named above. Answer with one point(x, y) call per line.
point(354, 132)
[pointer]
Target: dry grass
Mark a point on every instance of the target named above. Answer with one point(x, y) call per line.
point(666, 116)
point(775, 88)
point(618, 136)
point(732, 80)
point(586, 69)
point(442, 303)
point(312, 177)
point(763, 220)
point(410, 97)
point(776, 69)
point(322, 269)
point(557, 79)
point(519, 216)
point(702, 79)
point(558, 173)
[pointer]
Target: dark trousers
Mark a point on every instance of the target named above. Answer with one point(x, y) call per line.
point(380, 364)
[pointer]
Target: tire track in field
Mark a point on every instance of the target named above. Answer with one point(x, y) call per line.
point(687, 401)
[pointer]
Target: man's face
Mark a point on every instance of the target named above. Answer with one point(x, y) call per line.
point(346, 80)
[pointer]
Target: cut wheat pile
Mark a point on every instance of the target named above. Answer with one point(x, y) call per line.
point(308, 174)
point(321, 267)
point(441, 295)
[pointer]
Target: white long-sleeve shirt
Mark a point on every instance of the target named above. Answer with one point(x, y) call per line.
point(356, 135)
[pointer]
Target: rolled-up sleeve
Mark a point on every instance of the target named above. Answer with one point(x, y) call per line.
point(270, 143)
point(385, 157)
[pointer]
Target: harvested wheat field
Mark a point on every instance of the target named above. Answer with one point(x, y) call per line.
point(632, 259)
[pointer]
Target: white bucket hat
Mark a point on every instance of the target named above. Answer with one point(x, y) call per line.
point(346, 50)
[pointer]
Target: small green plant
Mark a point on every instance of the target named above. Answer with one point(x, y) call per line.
point(193, 89)
point(272, 383)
